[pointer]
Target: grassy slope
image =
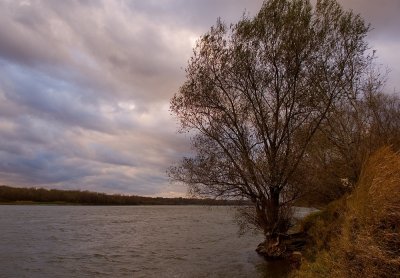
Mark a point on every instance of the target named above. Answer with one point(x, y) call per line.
point(359, 235)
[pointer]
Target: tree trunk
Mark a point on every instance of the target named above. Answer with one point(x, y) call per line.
point(273, 246)
point(273, 214)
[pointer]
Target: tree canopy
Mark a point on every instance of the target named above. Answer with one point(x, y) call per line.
point(256, 93)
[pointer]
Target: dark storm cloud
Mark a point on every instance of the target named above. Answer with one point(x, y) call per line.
point(35, 93)
point(40, 168)
point(384, 36)
point(85, 86)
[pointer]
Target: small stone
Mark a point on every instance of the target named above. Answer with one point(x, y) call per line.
point(296, 256)
point(295, 259)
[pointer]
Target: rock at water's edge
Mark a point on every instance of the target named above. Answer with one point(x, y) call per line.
point(285, 246)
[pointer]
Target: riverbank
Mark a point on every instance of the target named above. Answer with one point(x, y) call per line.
point(31, 203)
point(358, 235)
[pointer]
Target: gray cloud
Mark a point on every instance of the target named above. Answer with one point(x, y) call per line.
point(85, 86)
point(384, 35)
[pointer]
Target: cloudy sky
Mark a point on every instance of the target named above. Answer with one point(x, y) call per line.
point(85, 86)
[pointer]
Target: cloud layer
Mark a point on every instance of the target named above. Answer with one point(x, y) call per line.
point(85, 87)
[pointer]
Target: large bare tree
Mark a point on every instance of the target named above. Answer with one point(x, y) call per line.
point(255, 94)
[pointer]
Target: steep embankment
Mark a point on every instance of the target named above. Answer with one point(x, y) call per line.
point(359, 236)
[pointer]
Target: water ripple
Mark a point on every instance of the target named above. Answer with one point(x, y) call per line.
point(84, 241)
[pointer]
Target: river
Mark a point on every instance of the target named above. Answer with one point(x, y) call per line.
point(129, 241)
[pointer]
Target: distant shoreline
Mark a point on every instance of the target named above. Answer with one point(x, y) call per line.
point(41, 196)
point(29, 203)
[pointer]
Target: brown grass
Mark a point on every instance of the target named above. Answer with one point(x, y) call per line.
point(364, 239)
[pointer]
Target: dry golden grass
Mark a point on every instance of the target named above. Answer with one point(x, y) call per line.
point(365, 241)
point(371, 237)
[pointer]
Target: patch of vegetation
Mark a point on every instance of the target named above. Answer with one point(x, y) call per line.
point(29, 196)
point(359, 235)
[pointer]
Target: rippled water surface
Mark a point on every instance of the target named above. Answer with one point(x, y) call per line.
point(150, 241)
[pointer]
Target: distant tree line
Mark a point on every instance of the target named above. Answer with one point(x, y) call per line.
point(40, 195)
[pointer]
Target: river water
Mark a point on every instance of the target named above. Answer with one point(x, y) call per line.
point(129, 241)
